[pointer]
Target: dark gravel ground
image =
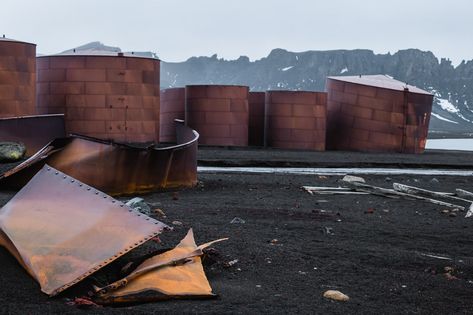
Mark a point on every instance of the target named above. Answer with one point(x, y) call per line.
point(374, 250)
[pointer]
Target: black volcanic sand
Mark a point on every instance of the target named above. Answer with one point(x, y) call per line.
point(374, 251)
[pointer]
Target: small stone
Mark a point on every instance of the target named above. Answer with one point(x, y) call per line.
point(388, 179)
point(434, 180)
point(230, 263)
point(336, 295)
point(159, 212)
point(175, 196)
point(274, 241)
point(452, 214)
point(177, 223)
point(11, 151)
point(237, 220)
point(140, 205)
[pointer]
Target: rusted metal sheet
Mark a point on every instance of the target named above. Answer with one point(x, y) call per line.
point(177, 273)
point(33, 131)
point(39, 226)
point(116, 168)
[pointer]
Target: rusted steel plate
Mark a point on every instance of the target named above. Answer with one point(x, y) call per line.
point(33, 131)
point(115, 168)
point(177, 273)
point(39, 226)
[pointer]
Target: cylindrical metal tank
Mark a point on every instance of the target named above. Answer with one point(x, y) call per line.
point(17, 78)
point(376, 113)
point(172, 107)
point(103, 95)
point(219, 113)
point(256, 118)
point(296, 119)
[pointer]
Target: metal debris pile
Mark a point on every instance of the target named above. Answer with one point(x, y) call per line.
point(460, 200)
point(39, 227)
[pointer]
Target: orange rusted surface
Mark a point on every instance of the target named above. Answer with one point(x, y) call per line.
point(376, 113)
point(102, 96)
point(39, 226)
point(17, 78)
point(115, 168)
point(177, 273)
point(33, 131)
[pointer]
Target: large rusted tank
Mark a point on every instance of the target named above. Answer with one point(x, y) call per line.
point(296, 119)
point(105, 95)
point(376, 113)
point(17, 78)
point(219, 113)
point(172, 107)
point(256, 118)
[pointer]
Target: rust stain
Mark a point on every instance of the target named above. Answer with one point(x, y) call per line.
point(177, 273)
point(39, 227)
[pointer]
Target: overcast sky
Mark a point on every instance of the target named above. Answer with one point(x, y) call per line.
point(178, 29)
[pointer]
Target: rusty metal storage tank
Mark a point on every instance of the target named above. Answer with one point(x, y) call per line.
point(103, 94)
point(376, 113)
point(17, 78)
point(172, 107)
point(219, 113)
point(296, 119)
point(256, 118)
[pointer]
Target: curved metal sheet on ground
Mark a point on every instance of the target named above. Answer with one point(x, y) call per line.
point(115, 168)
point(39, 227)
point(33, 131)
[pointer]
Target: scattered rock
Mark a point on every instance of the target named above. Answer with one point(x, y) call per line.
point(370, 211)
point(452, 214)
point(175, 195)
point(140, 205)
point(322, 177)
point(11, 151)
point(328, 230)
point(434, 180)
point(388, 179)
point(336, 295)
point(177, 223)
point(230, 263)
point(159, 212)
point(351, 179)
point(237, 220)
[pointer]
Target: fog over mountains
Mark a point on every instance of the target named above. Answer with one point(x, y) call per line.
point(281, 69)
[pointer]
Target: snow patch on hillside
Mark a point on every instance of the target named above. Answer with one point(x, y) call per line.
point(287, 68)
point(446, 105)
point(344, 70)
point(444, 119)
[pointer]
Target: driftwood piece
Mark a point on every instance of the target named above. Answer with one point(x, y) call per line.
point(463, 193)
point(322, 190)
point(420, 191)
point(390, 193)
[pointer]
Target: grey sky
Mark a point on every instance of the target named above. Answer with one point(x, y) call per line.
point(178, 29)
